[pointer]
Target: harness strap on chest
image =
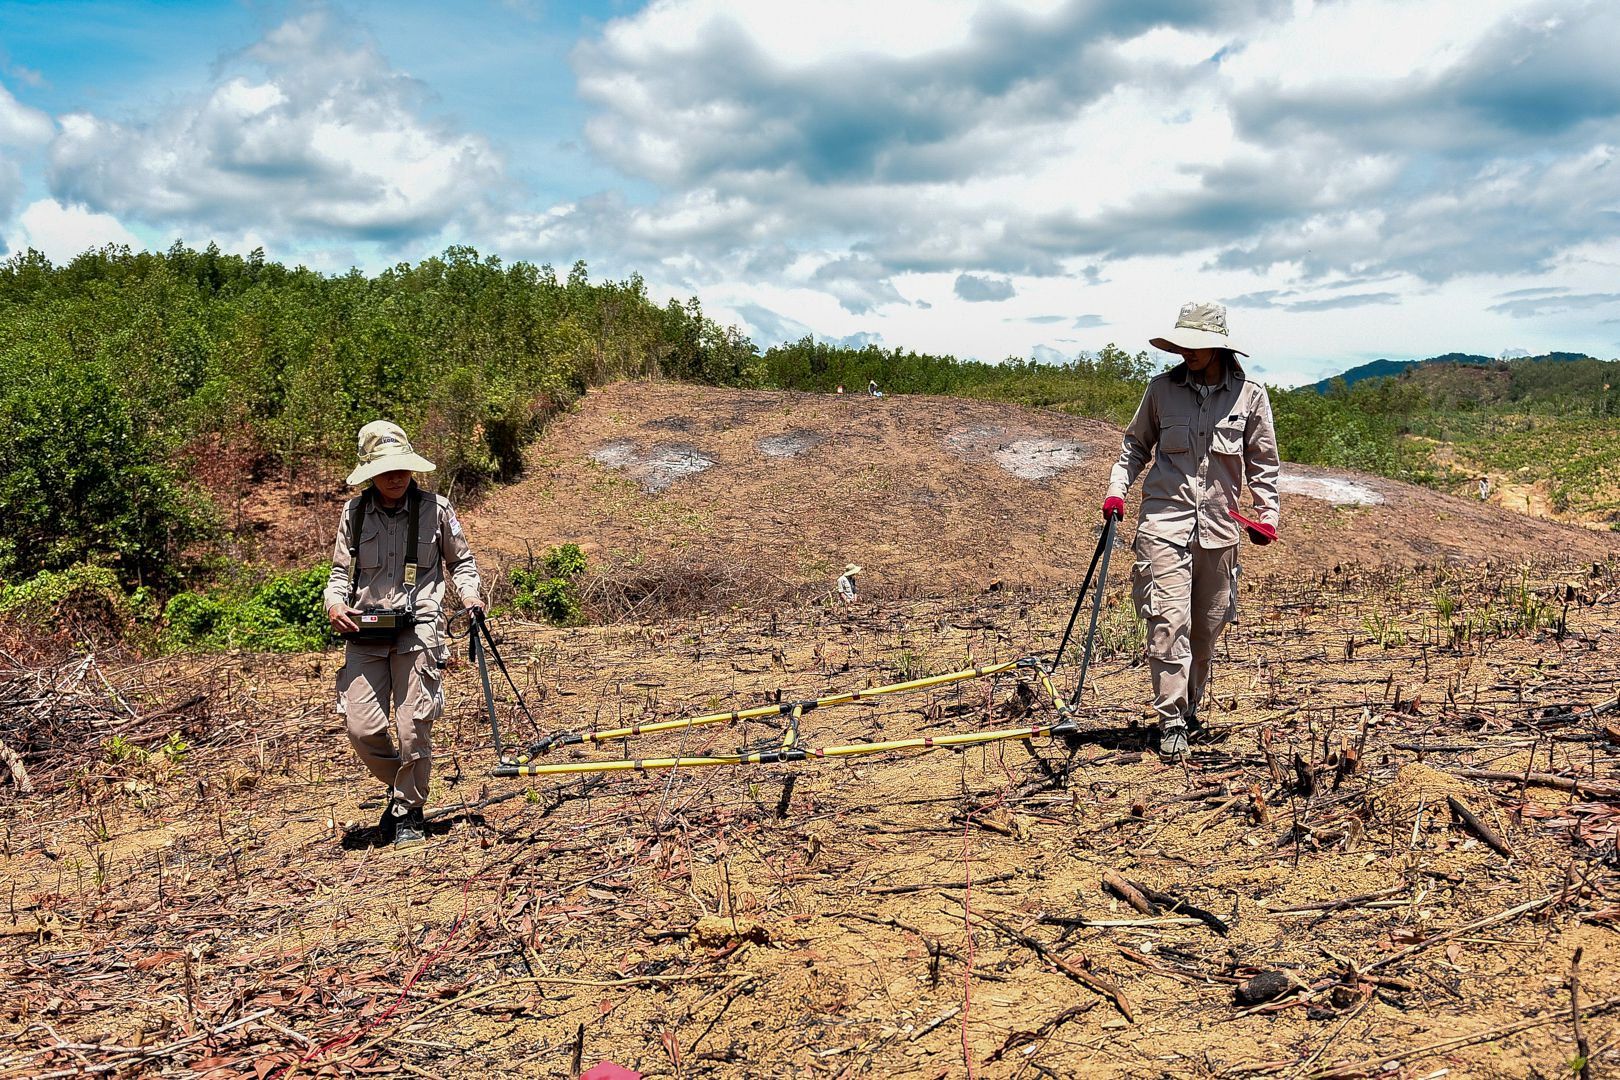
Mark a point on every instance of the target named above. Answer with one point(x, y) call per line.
point(413, 532)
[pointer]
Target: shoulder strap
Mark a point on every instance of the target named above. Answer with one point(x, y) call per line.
point(413, 532)
point(357, 520)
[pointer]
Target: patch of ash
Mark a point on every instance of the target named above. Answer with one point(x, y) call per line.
point(666, 464)
point(619, 454)
point(975, 439)
point(656, 469)
point(1039, 459)
point(789, 443)
point(669, 423)
point(1338, 490)
point(1031, 457)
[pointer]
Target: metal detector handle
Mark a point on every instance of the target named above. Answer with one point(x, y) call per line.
point(1103, 540)
point(1106, 547)
point(478, 655)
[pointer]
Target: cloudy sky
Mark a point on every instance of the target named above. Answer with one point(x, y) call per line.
point(1355, 179)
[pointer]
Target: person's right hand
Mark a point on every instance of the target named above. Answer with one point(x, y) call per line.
point(341, 618)
point(1113, 507)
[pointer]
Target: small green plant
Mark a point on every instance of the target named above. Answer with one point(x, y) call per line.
point(120, 749)
point(531, 796)
point(1121, 631)
point(1382, 630)
point(175, 749)
point(551, 589)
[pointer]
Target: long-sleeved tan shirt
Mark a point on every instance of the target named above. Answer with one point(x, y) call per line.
point(1204, 448)
point(380, 571)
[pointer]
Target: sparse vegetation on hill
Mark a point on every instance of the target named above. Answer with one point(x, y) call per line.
point(130, 380)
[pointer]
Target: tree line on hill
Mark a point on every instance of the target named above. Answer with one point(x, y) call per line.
point(124, 374)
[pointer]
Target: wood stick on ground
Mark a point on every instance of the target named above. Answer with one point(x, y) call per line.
point(1478, 827)
point(1085, 978)
point(1477, 924)
point(1340, 905)
point(1369, 1066)
point(1127, 892)
point(19, 774)
point(1583, 1051)
point(1175, 905)
point(1175, 971)
point(921, 886)
point(1603, 789)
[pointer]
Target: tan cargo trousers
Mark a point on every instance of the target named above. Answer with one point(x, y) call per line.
point(409, 687)
point(1186, 595)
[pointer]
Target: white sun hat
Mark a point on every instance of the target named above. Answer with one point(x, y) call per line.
point(850, 570)
point(1201, 325)
point(384, 447)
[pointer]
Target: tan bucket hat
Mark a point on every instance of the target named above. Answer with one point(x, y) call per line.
point(850, 570)
point(384, 447)
point(1201, 325)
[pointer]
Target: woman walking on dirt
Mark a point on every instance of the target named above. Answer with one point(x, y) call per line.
point(1208, 428)
point(395, 544)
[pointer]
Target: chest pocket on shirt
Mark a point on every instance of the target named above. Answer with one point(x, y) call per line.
point(371, 545)
point(1175, 439)
point(427, 544)
point(1228, 437)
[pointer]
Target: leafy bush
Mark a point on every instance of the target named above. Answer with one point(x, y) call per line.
point(87, 601)
point(550, 590)
point(282, 614)
point(82, 481)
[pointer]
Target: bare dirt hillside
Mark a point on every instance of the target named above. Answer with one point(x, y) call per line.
point(930, 494)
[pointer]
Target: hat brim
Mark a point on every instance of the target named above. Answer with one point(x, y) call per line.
point(852, 569)
point(1183, 337)
point(392, 463)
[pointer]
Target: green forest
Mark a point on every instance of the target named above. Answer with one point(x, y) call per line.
point(125, 376)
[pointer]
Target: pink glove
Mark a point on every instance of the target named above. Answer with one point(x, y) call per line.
point(1259, 533)
point(1113, 508)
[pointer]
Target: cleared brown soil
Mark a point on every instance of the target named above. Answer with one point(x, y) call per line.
point(231, 916)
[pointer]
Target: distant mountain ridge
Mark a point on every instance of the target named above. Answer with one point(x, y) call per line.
point(1380, 369)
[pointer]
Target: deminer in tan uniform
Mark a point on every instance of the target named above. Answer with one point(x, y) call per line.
point(396, 545)
point(1208, 429)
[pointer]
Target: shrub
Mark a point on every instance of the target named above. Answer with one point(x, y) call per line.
point(550, 590)
point(82, 481)
point(284, 613)
point(88, 602)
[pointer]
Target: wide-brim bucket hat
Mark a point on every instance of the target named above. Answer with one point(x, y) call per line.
point(1201, 325)
point(384, 447)
point(850, 570)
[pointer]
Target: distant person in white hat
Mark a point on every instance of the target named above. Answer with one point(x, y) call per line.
point(395, 545)
point(846, 584)
point(1208, 429)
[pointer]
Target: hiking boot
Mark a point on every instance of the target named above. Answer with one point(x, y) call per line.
point(411, 828)
point(1173, 742)
point(1196, 731)
point(385, 824)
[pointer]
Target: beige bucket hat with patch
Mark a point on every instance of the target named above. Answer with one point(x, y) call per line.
point(1201, 325)
point(384, 447)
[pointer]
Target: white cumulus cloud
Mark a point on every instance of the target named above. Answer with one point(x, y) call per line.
point(308, 131)
point(62, 232)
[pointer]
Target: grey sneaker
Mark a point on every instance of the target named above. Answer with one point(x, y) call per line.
point(1173, 742)
point(410, 828)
